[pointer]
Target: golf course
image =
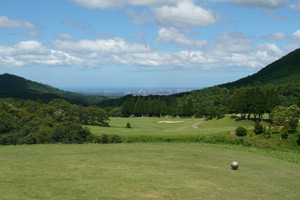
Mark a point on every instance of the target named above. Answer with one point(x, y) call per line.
point(152, 170)
point(146, 171)
point(167, 126)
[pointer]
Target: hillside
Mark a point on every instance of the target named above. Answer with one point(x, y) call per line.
point(18, 87)
point(283, 71)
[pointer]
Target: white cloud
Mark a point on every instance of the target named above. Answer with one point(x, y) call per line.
point(185, 13)
point(231, 49)
point(64, 36)
point(177, 13)
point(272, 49)
point(269, 4)
point(173, 36)
point(262, 3)
point(295, 6)
point(117, 4)
point(279, 36)
point(233, 43)
point(295, 41)
point(6, 23)
point(75, 24)
point(273, 15)
point(27, 53)
point(297, 34)
point(116, 45)
point(139, 18)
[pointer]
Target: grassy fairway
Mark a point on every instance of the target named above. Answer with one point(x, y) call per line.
point(145, 171)
point(150, 127)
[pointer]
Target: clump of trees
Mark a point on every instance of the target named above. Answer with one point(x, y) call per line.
point(254, 100)
point(34, 122)
point(288, 117)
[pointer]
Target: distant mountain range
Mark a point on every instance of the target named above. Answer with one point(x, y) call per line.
point(18, 87)
point(283, 71)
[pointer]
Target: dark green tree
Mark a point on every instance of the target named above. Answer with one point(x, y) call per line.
point(139, 107)
point(258, 128)
point(128, 108)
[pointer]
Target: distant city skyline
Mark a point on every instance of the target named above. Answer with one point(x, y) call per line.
point(84, 44)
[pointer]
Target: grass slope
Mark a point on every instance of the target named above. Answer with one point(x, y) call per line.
point(145, 171)
point(149, 126)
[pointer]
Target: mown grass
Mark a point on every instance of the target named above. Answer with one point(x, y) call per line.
point(146, 171)
point(275, 140)
point(149, 126)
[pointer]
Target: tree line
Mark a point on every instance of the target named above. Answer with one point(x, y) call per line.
point(33, 122)
point(212, 102)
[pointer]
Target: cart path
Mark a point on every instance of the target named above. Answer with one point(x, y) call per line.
point(198, 123)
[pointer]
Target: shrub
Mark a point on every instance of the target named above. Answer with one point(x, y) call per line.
point(128, 125)
point(284, 133)
point(114, 139)
point(292, 125)
point(241, 131)
point(103, 139)
point(258, 128)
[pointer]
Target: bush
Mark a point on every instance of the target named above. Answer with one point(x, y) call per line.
point(292, 125)
point(114, 139)
point(258, 128)
point(284, 133)
point(128, 125)
point(241, 131)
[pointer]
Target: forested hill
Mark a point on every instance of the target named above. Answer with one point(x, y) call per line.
point(18, 87)
point(286, 70)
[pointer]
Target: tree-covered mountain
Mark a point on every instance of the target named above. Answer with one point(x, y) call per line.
point(18, 87)
point(286, 70)
point(276, 84)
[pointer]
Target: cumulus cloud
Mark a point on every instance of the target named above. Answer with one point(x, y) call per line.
point(297, 34)
point(139, 18)
point(268, 4)
point(64, 36)
point(230, 49)
point(177, 13)
point(275, 16)
point(75, 24)
point(117, 4)
point(116, 45)
point(173, 36)
point(295, 6)
point(279, 36)
point(295, 41)
point(233, 43)
point(27, 53)
point(272, 49)
point(6, 23)
point(185, 13)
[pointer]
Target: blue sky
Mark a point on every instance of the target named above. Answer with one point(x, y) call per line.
point(104, 44)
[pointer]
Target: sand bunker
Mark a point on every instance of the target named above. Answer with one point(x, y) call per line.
point(170, 122)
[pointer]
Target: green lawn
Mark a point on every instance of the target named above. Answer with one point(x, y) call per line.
point(150, 127)
point(146, 171)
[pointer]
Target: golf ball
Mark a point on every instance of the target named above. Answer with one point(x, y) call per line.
point(234, 165)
